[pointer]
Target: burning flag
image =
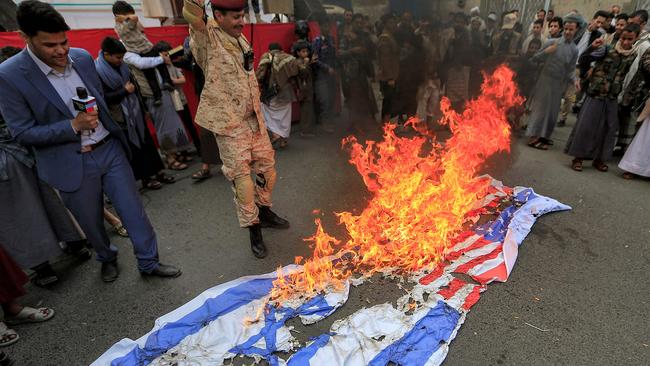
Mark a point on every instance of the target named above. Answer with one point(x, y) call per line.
point(430, 218)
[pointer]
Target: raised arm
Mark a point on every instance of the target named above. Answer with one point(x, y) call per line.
point(142, 62)
point(194, 13)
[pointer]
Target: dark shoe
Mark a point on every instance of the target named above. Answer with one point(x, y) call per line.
point(165, 271)
point(45, 275)
point(561, 123)
point(157, 102)
point(84, 254)
point(109, 271)
point(79, 249)
point(257, 242)
point(167, 86)
point(268, 219)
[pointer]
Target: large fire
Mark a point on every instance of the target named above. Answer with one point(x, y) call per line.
point(422, 194)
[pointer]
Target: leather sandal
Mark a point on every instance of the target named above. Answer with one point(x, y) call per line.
point(202, 175)
point(577, 165)
point(598, 164)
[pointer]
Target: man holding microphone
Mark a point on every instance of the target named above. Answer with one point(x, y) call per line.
point(83, 154)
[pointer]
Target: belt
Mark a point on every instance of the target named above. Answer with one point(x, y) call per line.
point(92, 147)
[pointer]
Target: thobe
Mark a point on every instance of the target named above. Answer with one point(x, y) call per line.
point(558, 70)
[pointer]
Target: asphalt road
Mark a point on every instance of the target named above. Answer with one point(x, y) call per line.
point(581, 275)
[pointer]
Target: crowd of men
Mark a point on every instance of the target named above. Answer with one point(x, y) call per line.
point(73, 128)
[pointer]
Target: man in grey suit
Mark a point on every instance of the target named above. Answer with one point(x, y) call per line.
point(82, 154)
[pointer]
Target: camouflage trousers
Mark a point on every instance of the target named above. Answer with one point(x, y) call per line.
point(248, 162)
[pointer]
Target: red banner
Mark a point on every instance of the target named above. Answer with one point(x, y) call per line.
point(261, 36)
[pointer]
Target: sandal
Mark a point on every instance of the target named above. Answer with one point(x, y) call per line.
point(629, 176)
point(177, 165)
point(202, 175)
point(120, 230)
point(532, 141)
point(184, 157)
point(152, 184)
point(576, 165)
point(167, 179)
point(7, 336)
point(540, 145)
point(600, 166)
point(30, 315)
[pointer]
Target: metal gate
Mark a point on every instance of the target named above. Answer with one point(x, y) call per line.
point(527, 8)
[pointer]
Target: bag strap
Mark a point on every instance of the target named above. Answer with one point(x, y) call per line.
point(269, 71)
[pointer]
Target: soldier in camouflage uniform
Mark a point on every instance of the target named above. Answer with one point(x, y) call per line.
point(230, 108)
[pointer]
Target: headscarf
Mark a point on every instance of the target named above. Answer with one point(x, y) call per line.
point(619, 49)
point(115, 79)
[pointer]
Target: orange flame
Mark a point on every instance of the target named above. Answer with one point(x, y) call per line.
point(422, 193)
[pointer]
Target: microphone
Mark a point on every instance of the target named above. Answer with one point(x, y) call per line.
point(84, 102)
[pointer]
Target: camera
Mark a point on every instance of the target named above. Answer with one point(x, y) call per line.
point(249, 58)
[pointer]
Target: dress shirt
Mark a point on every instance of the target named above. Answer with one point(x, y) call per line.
point(66, 84)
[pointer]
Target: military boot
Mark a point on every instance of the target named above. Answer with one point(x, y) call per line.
point(257, 242)
point(268, 219)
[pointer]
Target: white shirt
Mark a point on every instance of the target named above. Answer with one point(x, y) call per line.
point(66, 84)
point(142, 62)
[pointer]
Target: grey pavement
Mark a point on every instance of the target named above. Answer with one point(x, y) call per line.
point(581, 275)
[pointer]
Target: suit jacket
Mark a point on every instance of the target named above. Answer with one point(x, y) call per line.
point(38, 118)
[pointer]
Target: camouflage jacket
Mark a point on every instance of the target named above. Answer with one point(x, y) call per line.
point(607, 72)
point(231, 93)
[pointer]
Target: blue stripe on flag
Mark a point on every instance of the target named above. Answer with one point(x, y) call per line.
point(304, 355)
point(316, 306)
point(418, 344)
point(172, 334)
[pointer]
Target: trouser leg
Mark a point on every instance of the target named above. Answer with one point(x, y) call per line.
point(152, 80)
point(569, 100)
point(235, 151)
point(263, 166)
point(247, 210)
point(119, 185)
point(87, 206)
point(164, 74)
point(186, 117)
